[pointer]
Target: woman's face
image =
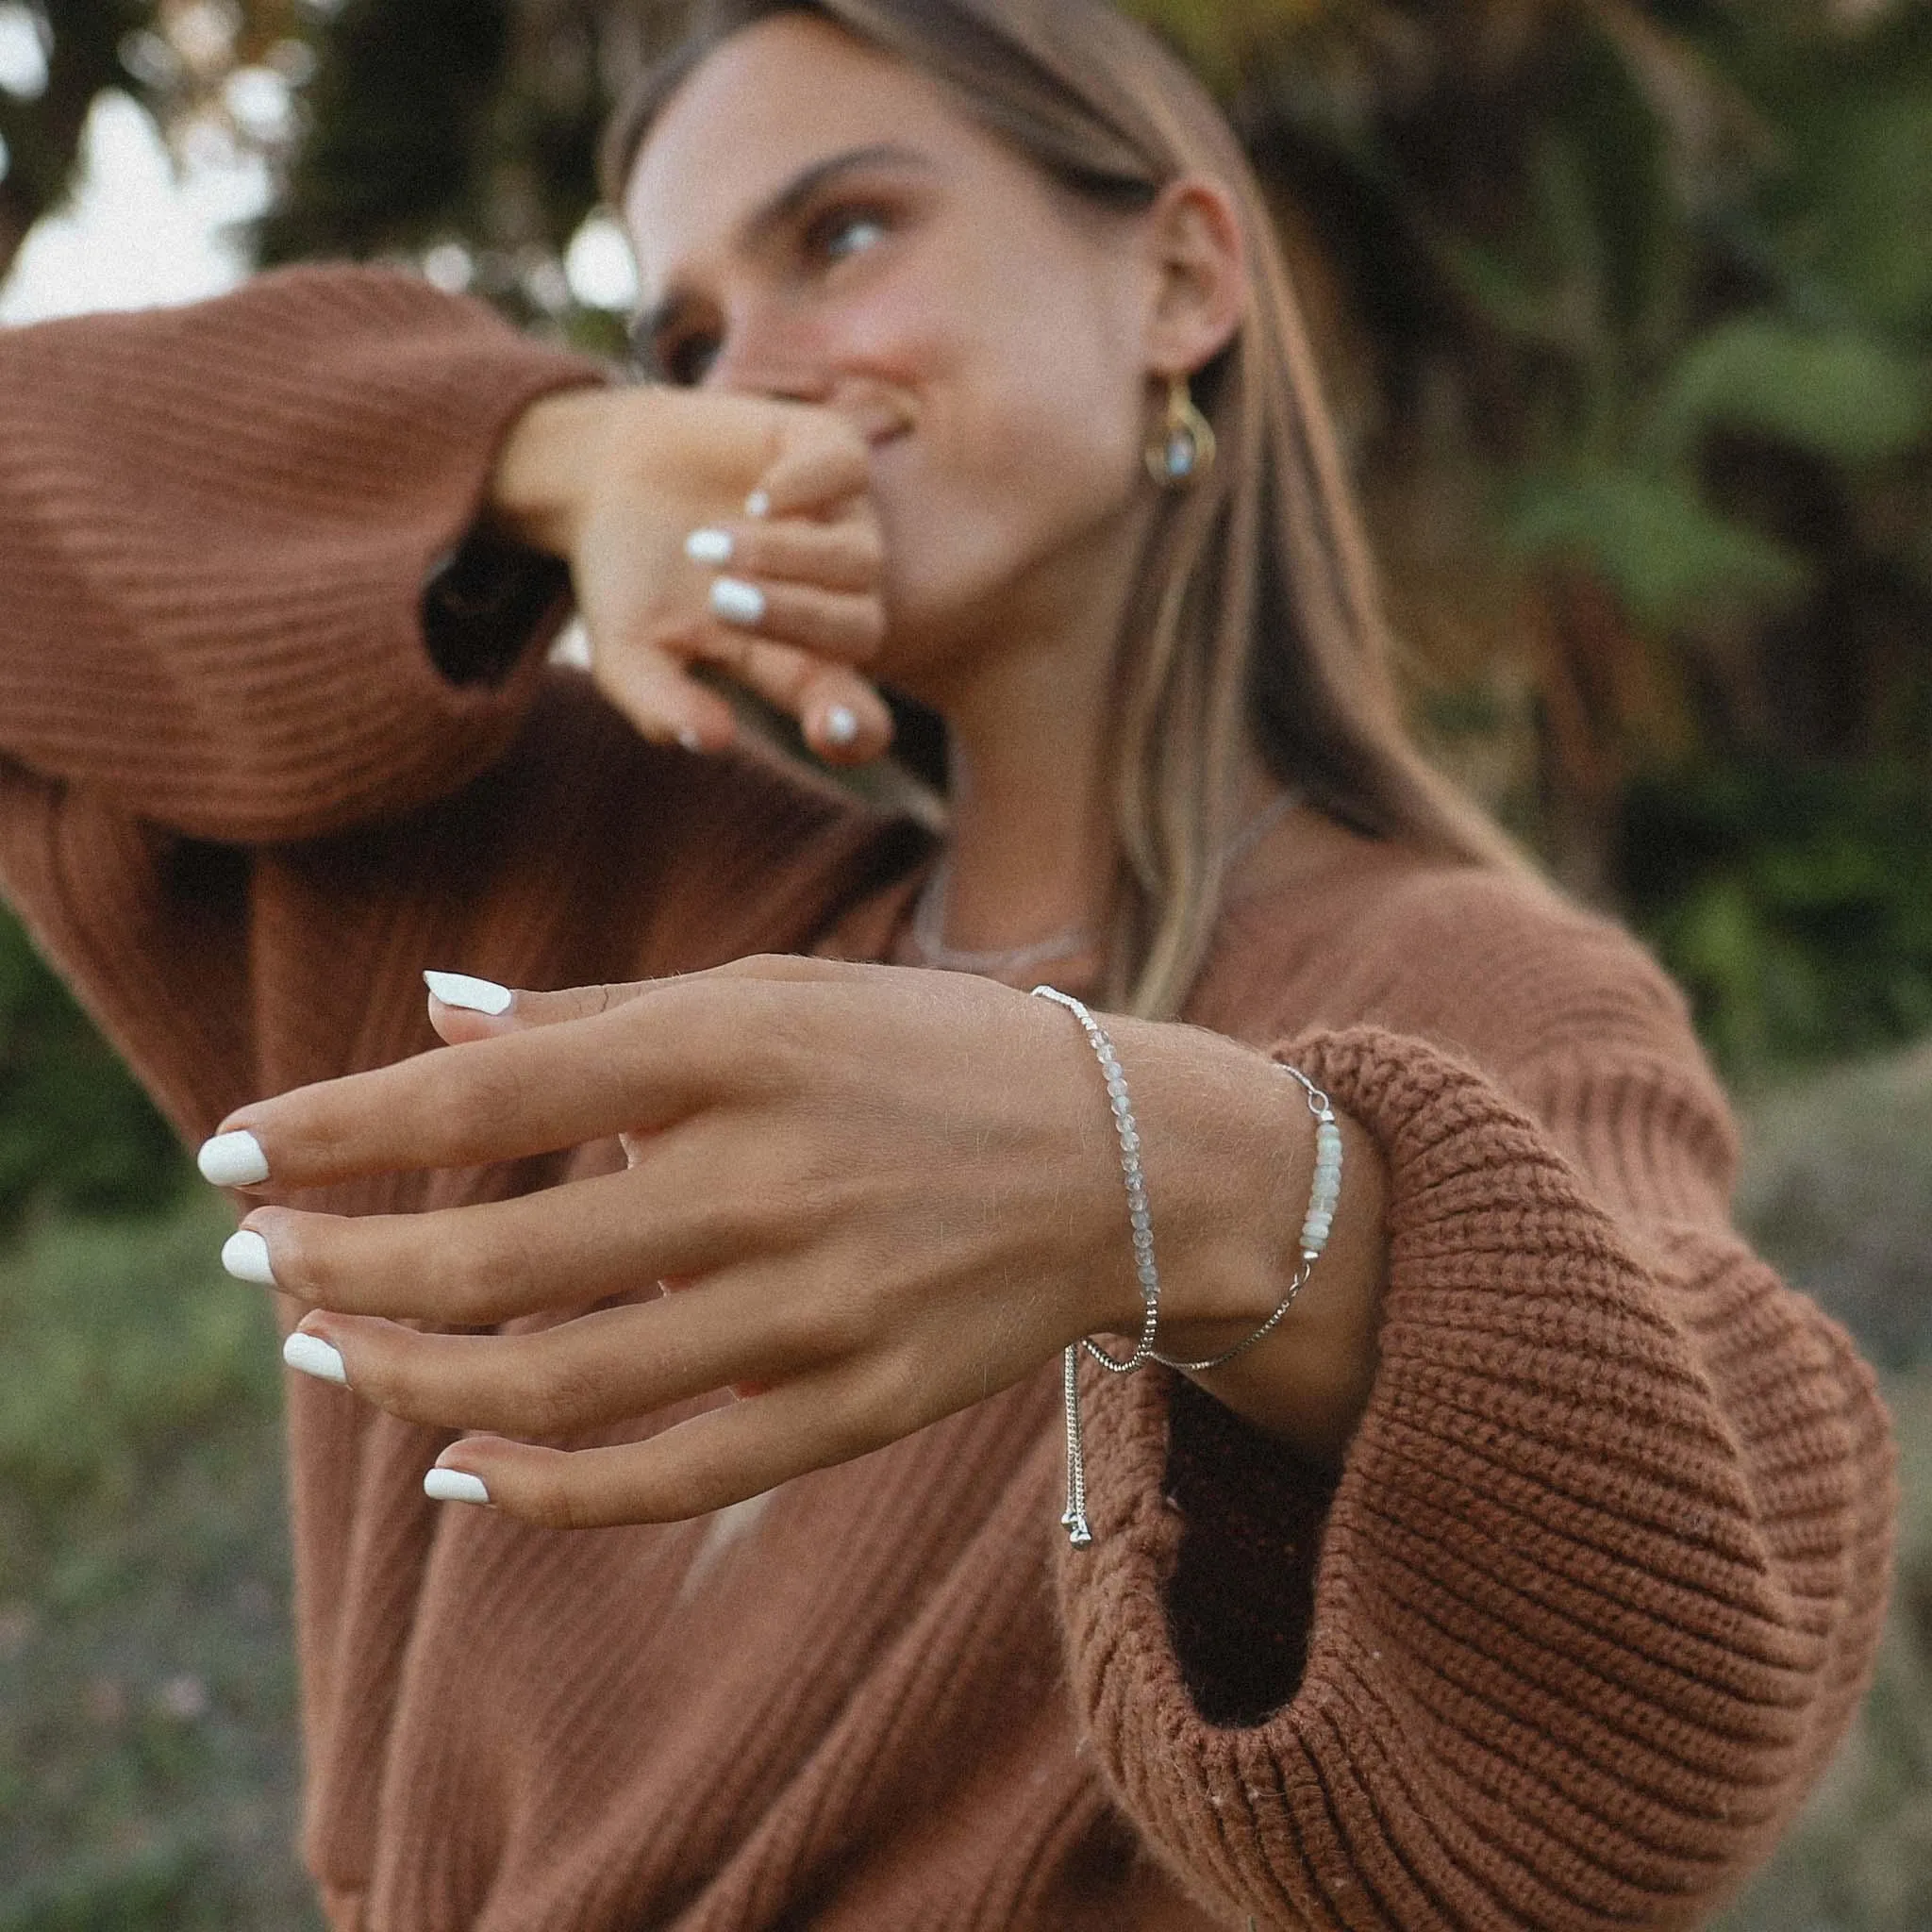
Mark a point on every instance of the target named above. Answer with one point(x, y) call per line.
point(815, 220)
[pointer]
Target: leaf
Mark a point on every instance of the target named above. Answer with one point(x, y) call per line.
point(1836, 394)
point(1652, 540)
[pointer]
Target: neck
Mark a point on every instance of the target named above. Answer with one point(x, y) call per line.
point(1027, 695)
point(1032, 841)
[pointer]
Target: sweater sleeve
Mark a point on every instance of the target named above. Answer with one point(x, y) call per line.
point(1601, 1581)
point(217, 523)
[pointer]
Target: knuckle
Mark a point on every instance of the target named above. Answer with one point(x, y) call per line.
point(833, 1311)
point(556, 1395)
point(895, 1396)
point(484, 1087)
point(468, 1283)
point(868, 623)
point(824, 1328)
point(849, 1429)
point(551, 1498)
point(675, 1498)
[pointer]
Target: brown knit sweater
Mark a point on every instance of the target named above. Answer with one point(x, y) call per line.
point(1600, 1583)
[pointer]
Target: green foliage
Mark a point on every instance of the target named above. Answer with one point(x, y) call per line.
point(168, 1347)
point(1655, 540)
point(1838, 394)
point(75, 1130)
point(148, 1757)
point(1795, 904)
point(464, 126)
point(399, 108)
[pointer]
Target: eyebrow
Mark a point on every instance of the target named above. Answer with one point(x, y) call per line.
point(772, 215)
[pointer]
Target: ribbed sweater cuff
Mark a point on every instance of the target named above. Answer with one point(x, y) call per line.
point(1562, 1660)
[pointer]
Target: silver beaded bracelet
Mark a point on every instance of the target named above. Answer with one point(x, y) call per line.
point(1324, 1193)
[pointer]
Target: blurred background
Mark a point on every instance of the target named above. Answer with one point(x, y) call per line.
point(1626, 312)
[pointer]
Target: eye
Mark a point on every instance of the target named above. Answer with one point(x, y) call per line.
point(844, 232)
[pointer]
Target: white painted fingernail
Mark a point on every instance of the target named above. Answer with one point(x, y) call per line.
point(455, 1486)
point(708, 546)
point(245, 1257)
point(314, 1357)
point(758, 504)
point(690, 739)
point(471, 995)
point(233, 1160)
point(841, 724)
point(738, 602)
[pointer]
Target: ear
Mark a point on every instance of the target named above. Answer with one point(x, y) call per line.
point(1199, 276)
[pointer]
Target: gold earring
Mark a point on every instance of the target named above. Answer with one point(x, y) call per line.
point(1182, 448)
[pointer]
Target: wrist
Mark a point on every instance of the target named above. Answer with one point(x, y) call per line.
point(1228, 1229)
point(1230, 1156)
point(542, 482)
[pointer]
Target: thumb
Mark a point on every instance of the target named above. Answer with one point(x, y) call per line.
point(462, 1007)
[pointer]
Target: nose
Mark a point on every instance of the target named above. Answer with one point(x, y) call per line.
point(767, 352)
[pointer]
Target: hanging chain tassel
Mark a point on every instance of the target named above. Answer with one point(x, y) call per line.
point(1074, 1519)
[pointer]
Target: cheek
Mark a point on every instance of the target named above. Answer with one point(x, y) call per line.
point(1024, 447)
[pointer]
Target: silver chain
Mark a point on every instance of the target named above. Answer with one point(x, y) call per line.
point(927, 929)
point(1323, 1192)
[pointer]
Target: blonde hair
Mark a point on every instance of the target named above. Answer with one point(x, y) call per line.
point(1256, 616)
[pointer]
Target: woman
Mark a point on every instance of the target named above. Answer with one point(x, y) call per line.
point(1522, 1572)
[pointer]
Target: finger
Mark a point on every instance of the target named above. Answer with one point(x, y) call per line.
point(844, 556)
point(739, 1449)
point(524, 1092)
point(674, 1213)
point(463, 1007)
point(842, 714)
point(844, 719)
point(599, 1368)
point(832, 623)
point(655, 690)
point(819, 474)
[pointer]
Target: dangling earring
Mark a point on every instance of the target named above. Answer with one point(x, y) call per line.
point(1182, 448)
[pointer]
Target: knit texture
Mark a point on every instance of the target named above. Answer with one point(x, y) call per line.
point(1596, 1589)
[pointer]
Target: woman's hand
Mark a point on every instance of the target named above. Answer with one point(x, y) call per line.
point(879, 1196)
point(704, 528)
